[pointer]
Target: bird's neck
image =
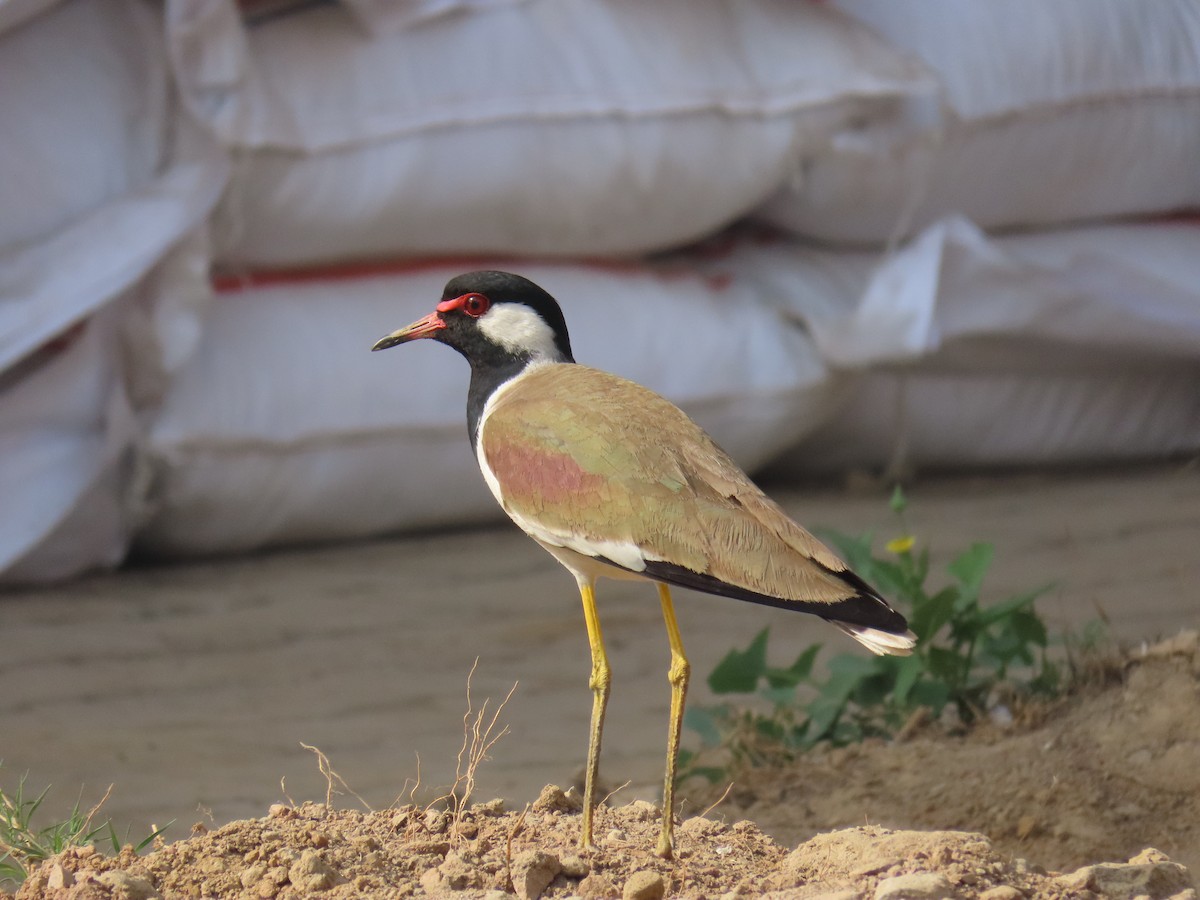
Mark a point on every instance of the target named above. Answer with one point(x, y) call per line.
point(485, 381)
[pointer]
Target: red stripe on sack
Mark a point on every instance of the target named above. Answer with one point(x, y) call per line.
point(236, 282)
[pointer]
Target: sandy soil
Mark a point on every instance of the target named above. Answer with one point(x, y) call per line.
point(1103, 774)
point(192, 687)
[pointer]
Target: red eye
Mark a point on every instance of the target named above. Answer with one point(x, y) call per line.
point(475, 305)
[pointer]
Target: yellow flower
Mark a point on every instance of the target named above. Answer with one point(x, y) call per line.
point(901, 544)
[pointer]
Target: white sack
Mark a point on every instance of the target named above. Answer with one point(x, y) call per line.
point(1049, 113)
point(544, 127)
point(84, 107)
point(285, 428)
point(959, 417)
point(109, 241)
point(1070, 346)
point(102, 290)
point(66, 441)
point(72, 463)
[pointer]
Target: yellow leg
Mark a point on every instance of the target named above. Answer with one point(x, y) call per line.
point(678, 676)
point(600, 681)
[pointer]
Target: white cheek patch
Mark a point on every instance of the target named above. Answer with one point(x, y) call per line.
point(517, 328)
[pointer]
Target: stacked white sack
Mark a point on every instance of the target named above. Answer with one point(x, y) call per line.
point(1070, 346)
point(284, 428)
point(1048, 113)
point(102, 180)
point(549, 127)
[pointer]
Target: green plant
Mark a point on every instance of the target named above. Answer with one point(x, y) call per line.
point(965, 650)
point(22, 845)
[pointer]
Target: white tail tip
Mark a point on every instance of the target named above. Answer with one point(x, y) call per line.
point(883, 643)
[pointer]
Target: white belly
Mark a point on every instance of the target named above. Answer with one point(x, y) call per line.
point(587, 569)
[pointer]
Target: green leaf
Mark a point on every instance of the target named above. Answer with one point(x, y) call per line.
point(845, 732)
point(945, 665)
point(704, 722)
point(795, 673)
point(779, 697)
point(739, 671)
point(934, 694)
point(769, 729)
point(854, 665)
point(999, 650)
point(1012, 604)
point(872, 690)
point(846, 673)
point(711, 774)
point(908, 670)
point(149, 839)
point(898, 503)
point(931, 613)
point(922, 571)
point(1047, 680)
point(888, 577)
point(825, 709)
point(1030, 628)
point(969, 569)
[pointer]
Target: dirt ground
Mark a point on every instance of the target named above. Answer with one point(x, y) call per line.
point(1098, 776)
point(191, 687)
point(1110, 774)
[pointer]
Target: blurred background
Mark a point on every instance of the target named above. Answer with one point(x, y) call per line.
point(865, 234)
point(890, 237)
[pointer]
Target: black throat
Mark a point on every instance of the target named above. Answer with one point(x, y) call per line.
point(485, 379)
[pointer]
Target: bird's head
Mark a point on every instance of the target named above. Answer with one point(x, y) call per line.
point(492, 317)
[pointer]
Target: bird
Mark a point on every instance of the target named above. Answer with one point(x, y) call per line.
point(615, 481)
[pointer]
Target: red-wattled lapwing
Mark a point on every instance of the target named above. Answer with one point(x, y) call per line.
point(613, 480)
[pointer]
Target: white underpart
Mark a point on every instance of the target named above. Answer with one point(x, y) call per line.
point(517, 328)
point(575, 552)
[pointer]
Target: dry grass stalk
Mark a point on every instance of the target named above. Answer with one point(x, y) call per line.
point(479, 736)
point(330, 777)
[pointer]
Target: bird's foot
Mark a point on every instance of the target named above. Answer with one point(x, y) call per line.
point(664, 849)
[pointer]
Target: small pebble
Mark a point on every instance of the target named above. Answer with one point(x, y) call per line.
point(553, 799)
point(643, 811)
point(365, 842)
point(917, 886)
point(252, 875)
point(597, 887)
point(432, 881)
point(575, 866)
point(311, 873)
point(437, 821)
point(1002, 892)
point(59, 878)
point(532, 872)
point(644, 885)
point(127, 887)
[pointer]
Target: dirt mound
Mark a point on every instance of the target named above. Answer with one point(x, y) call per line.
point(1101, 776)
point(486, 852)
